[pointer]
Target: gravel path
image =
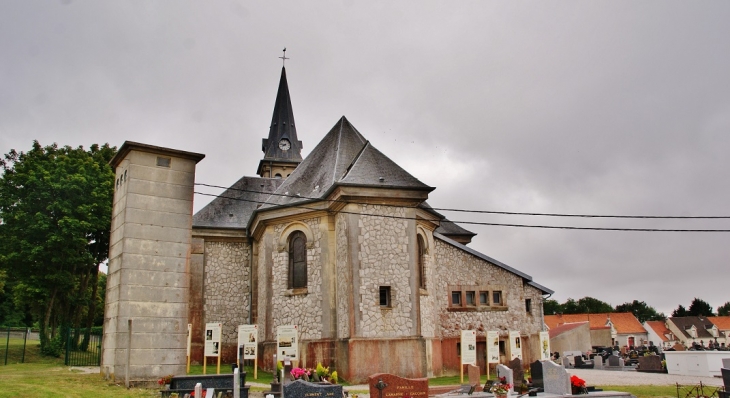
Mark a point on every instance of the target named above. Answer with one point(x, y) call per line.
point(632, 378)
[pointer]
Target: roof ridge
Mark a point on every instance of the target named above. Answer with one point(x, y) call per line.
point(355, 159)
point(337, 151)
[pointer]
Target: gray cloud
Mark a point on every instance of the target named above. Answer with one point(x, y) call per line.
point(609, 107)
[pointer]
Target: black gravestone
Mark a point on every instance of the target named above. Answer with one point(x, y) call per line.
point(305, 389)
point(536, 374)
point(224, 382)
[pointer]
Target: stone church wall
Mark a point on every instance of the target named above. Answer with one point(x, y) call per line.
point(384, 261)
point(344, 276)
point(457, 267)
point(304, 310)
point(226, 292)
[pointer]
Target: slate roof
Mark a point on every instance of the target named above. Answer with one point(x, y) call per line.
point(282, 127)
point(722, 322)
point(446, 226)
point(623, 322)
point(660, 328)
point(234, 207)
point(684, 323)
point(343, 157)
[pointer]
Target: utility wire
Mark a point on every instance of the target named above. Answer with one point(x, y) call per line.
point(483, 223)
point(494, 211)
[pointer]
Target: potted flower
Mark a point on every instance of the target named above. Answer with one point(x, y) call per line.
point(165, 381)
point(578, 385)
point(500, 388)
point(298, 373)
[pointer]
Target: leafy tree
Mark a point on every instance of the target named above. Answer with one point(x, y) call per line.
point(55, 206)
point(699, 307)
point(590, 305)
point(680, 311)
point(552, 307)
point(724, 310)
point(642, 311)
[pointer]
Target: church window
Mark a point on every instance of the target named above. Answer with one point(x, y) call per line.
point(528, 306)
point(297, 260)
point(471, 299)
point(421, 263)
point(385, 296)
point(483, 298)
point(277, 175)
point(456, 298)
point(496, 297)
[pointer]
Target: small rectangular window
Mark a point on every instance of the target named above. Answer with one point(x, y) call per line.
point(496, 298)
point(471, 299)
point(163, 162)
point(483, 298)
point(458, 349)
point(456, 298)
point(385, 296)
point(528, 306)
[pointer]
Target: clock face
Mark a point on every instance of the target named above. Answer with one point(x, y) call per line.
point(284, 145)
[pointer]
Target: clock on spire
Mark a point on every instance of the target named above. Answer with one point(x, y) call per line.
point(282, 150)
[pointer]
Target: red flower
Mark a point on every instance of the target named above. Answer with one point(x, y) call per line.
point(576, 381)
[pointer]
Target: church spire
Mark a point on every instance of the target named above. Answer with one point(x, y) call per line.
point(282, 150)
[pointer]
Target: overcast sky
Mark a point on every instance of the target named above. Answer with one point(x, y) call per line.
point(601, 107)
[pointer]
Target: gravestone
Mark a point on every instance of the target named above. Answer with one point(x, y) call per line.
point(725, 377)
point(650, 363)
point(555, 378)
point(385, 385)
point(503, 371)
point(536, 374)
point(474, 375)
point(305, 389)
point(598, 362)
point(518, 373)
point(615, 362)
point(566, 362)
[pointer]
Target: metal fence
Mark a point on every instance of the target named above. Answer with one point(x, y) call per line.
point(83, 347)
point(16, 343)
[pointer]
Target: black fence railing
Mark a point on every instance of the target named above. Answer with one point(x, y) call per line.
point(14, 344)
point(83, 347)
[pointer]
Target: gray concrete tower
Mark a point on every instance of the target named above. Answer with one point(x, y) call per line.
point(149, 253)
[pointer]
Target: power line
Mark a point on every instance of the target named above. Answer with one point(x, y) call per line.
point(483, 223)
point(494, 211)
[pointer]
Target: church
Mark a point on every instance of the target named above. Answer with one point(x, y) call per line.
point(342, 244)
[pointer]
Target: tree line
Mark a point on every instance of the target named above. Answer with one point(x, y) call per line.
point(55, 217)
point(641, 310)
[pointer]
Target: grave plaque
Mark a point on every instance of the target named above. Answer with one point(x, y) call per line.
point(305, 389)
point(536, 374)
point(555, 378)
point(518, 373)
point(503, 371)
point(474, 375)
point(650, 363)
point(385, 385)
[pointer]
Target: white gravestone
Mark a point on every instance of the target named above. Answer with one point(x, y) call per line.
point(555, 379)
point(504, 371)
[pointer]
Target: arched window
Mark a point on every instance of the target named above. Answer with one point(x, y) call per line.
point(297, 260)
point(421, 262)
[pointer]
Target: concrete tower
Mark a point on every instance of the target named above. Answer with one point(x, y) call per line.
point(149, 251)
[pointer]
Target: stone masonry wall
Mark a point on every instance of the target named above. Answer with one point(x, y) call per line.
point(227, 292)
point(384, 261)
point(427, 299)
point(456, 267)
point(344, 279)
point(304, 310)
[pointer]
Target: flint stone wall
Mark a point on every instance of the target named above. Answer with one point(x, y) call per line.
point(227, 292)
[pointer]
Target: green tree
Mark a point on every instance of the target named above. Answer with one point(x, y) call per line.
point(699, 307)
point(724, 310)
point(552, 307)
point(55, 206)
point(590, 305)
point(680, 311)
point(642, 311)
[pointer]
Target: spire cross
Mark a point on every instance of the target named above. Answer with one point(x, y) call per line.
point(284, 58)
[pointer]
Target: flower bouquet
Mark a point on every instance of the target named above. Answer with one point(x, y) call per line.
point(501, 388)
point(164, 380)
point(578, 385)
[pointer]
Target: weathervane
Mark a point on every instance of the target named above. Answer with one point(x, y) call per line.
point(284, 58)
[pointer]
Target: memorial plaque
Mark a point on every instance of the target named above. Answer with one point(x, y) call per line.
point(385, 385)
point(536, 374)
point(305, 389)
point(518, 373)
point(474, 375)
point(650, 363)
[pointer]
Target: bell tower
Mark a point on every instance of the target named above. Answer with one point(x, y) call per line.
point(282, 150)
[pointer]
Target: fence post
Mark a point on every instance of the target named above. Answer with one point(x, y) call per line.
point(25, 343)
point(7, 347)
point(68, 342)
